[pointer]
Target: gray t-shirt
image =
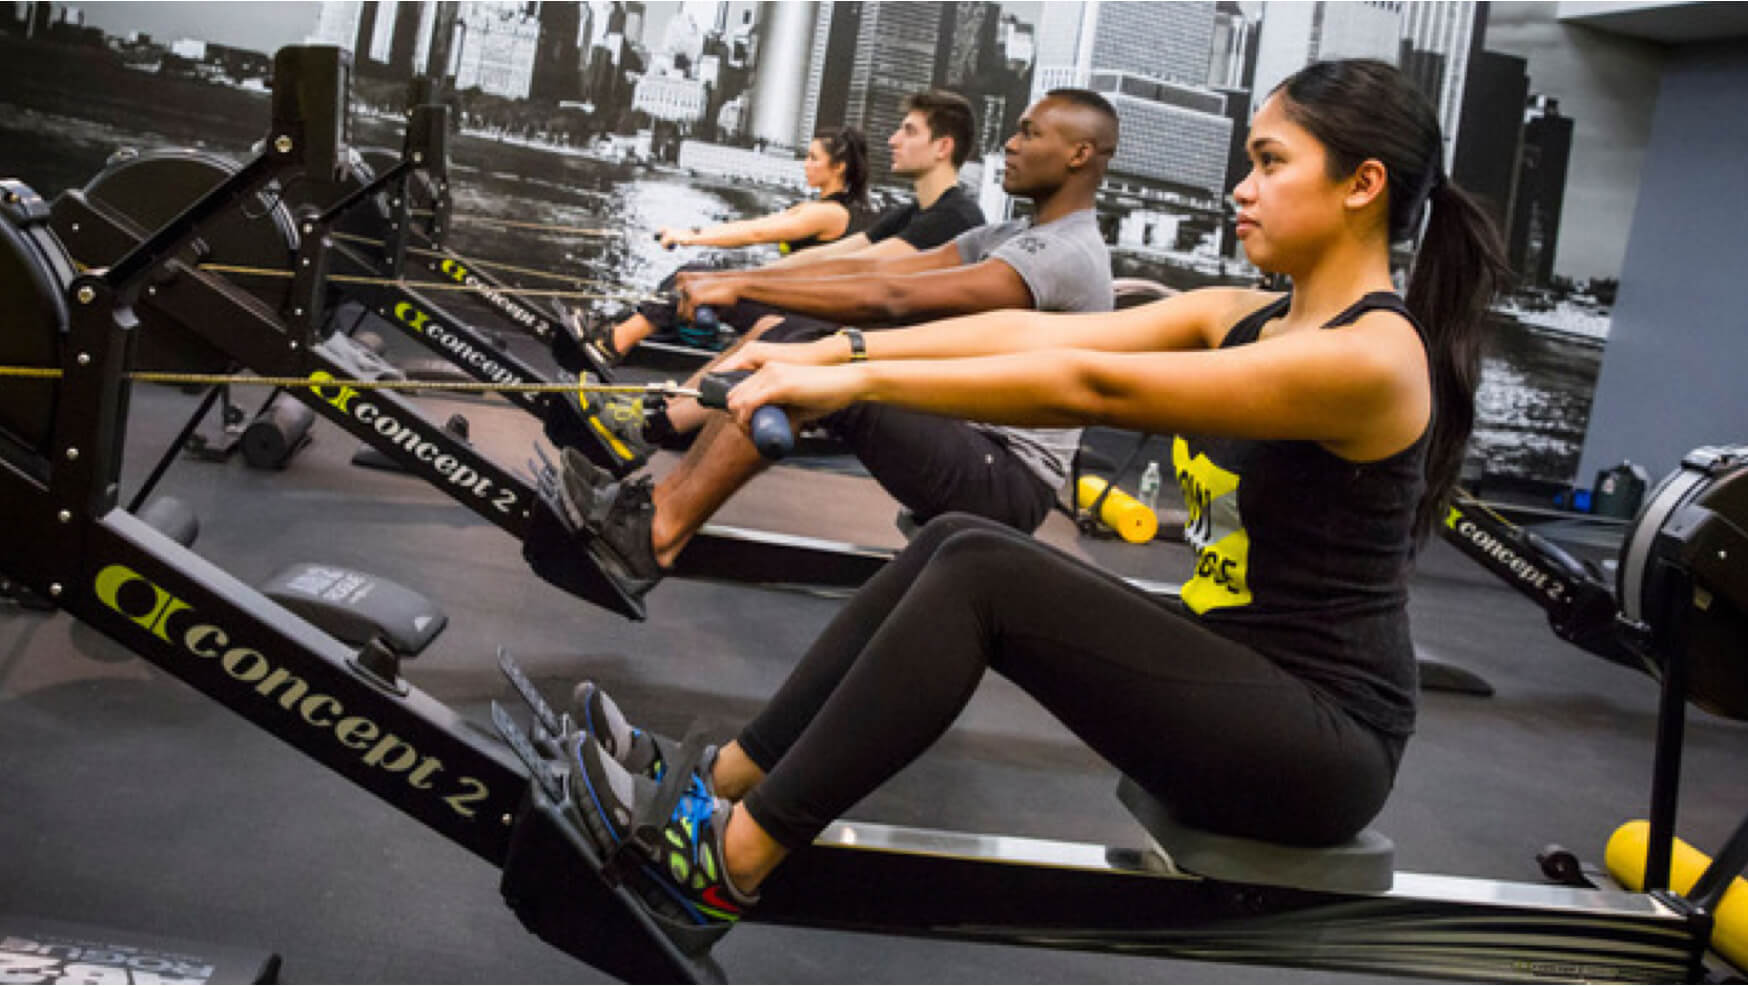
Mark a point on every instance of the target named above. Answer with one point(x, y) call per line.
point(1068, 269)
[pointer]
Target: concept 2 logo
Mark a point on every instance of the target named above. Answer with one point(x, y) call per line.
point(466, 352)
point(428, 451)
point(504, 304)
point(172, 620)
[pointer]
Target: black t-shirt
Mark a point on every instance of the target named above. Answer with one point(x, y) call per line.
point(857, 220)
point(1304, 555)
point(951, 214)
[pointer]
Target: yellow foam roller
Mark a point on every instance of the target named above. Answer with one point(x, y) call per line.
point(1121, 512)
point(1625, 859)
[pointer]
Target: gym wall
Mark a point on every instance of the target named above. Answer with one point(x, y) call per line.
point(1672, 375)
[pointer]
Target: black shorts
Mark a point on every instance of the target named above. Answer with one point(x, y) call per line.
point(934, 465)
point(799, 328)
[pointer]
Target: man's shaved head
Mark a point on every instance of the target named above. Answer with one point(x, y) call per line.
point(1090, 117)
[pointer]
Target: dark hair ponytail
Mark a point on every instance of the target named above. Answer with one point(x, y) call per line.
point(1361, 110)
point(1458, 270)
point(847, 146)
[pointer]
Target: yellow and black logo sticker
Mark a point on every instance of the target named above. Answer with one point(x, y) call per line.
point(1215, 530)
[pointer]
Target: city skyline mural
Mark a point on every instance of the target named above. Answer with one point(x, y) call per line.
point(634, 115)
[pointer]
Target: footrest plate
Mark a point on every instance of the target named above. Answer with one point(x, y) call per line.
point(555, 882)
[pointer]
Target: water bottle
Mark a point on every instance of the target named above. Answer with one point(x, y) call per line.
point(1149, 495)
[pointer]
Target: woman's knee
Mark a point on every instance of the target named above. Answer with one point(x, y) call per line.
point(930, 537)
point(979, 554)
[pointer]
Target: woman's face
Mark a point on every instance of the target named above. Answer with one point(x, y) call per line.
point(818, 166)
point(1288, 206)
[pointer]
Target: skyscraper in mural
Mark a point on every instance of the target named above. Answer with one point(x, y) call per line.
point(784, 41)
point(389, 38)
point(836, 28)
point(1490, 132)
point(895, 55)
point(557, 58)
point(1295, 34)
point(1439, 40)
point(1541, 190)
point(499, 41)
point(1151, 61)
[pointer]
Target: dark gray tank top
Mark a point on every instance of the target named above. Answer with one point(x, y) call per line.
point(1304, 555)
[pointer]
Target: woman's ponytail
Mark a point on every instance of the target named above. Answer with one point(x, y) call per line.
point(1458, 271)
point(847, 146)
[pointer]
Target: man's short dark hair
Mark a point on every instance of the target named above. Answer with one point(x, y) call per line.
point(1092, 101)
point(947, 114)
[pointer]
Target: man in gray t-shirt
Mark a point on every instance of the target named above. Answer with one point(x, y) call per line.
point(1068, 269)
point(1055, 261)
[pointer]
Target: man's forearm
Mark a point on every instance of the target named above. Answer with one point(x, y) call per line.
point(830, 267)
point(845, 297)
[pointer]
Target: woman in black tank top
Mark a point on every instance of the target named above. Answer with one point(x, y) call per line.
point(836, 165)
point(1316, 434)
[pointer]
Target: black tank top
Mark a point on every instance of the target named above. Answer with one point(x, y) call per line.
point(1304, 555)
point(858, 219)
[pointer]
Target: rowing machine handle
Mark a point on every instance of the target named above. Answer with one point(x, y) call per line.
point(771, 434)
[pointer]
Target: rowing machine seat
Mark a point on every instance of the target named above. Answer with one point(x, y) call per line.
point(1364, 864)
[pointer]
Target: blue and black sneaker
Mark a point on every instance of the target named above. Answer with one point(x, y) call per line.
point(678, 874)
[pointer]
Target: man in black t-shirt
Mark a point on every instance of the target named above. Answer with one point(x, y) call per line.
point(928, 148)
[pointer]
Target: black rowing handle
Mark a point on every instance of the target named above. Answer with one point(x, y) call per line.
point(771, 434)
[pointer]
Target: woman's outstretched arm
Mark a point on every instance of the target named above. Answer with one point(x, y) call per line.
point(1193, 320)
point(825, 219)
point(1357, 389)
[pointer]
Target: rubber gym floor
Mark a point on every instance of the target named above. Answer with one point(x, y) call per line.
point(134, 803)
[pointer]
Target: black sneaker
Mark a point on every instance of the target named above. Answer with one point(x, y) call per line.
point(681, 878)
point(596, 339)
point(617, 514)
point(585, 343)
point(614, 430)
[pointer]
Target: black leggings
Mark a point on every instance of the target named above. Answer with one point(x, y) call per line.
point(1226, 738)
point(935, 466)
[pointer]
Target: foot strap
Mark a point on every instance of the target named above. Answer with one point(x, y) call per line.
point(641, 844)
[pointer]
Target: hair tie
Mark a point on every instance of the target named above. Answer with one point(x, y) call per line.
point(1434, 180)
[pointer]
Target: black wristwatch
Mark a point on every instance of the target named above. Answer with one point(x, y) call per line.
point(858, 345)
